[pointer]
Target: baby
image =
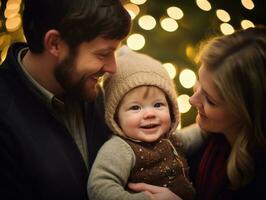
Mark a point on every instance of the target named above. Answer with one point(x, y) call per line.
point(141, 110)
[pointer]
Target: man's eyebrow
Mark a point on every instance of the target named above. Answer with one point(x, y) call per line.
point(105, 49)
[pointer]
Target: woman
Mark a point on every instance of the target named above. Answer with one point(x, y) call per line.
point(229, 97)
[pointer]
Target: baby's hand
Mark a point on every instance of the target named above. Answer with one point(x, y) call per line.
point(154, 192)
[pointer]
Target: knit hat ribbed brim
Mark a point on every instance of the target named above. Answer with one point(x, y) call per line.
point(134, 70)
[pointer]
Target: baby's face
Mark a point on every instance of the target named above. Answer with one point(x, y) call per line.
point(144, 114)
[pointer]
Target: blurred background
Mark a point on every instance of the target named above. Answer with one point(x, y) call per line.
point(169, 30)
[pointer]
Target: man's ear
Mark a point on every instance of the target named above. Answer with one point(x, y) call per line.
point(53, 43)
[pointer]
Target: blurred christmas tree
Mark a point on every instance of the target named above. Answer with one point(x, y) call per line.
point(10, 25)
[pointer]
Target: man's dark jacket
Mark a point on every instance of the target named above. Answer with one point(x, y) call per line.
point(38, 157)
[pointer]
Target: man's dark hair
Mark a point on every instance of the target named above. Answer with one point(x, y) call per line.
point(76, 20)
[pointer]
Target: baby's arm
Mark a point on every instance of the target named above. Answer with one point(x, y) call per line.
point(110, 172)
point(192, 138)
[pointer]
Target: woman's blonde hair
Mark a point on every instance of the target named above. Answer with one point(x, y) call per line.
point(238, 62)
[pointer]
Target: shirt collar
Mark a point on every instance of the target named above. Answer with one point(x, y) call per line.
point(45, 94)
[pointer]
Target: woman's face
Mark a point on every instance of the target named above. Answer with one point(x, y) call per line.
point(214, 115)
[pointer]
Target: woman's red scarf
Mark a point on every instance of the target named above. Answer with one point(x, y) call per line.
point(211, 179)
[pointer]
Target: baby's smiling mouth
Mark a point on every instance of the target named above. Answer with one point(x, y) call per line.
point(147, 126)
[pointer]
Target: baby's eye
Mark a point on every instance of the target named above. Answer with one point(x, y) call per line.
point(135, 107)
point(158, 105)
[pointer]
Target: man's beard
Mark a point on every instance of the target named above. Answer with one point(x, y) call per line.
point(75, 90)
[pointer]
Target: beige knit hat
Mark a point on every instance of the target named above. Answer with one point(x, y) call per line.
point(134, 70)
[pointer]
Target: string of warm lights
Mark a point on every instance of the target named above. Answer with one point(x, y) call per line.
point(10, 24)
point(170, 22)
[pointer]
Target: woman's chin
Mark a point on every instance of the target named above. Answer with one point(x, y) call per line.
point(201, 122)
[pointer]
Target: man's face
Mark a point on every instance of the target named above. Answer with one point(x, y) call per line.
point(79, 71)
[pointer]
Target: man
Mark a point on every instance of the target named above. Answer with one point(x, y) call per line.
point(50, 124)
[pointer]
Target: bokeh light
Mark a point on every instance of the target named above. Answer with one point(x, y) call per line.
point(190, 52)
point(14, 23)
point(147, 22)
point(175, 12)
point(169, 24)
point(248, 4)
point(223, 15)
point(138, 2)
point(247, 24)
point(136, 41)
point(183, 103)
point(204, 5)
point(170, 69)
point(187, 78)
point(132, 9)
point(227, 29)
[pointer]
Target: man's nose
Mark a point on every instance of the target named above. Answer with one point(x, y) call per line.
point(110, 65)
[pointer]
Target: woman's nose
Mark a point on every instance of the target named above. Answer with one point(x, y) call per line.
point(195, 100)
